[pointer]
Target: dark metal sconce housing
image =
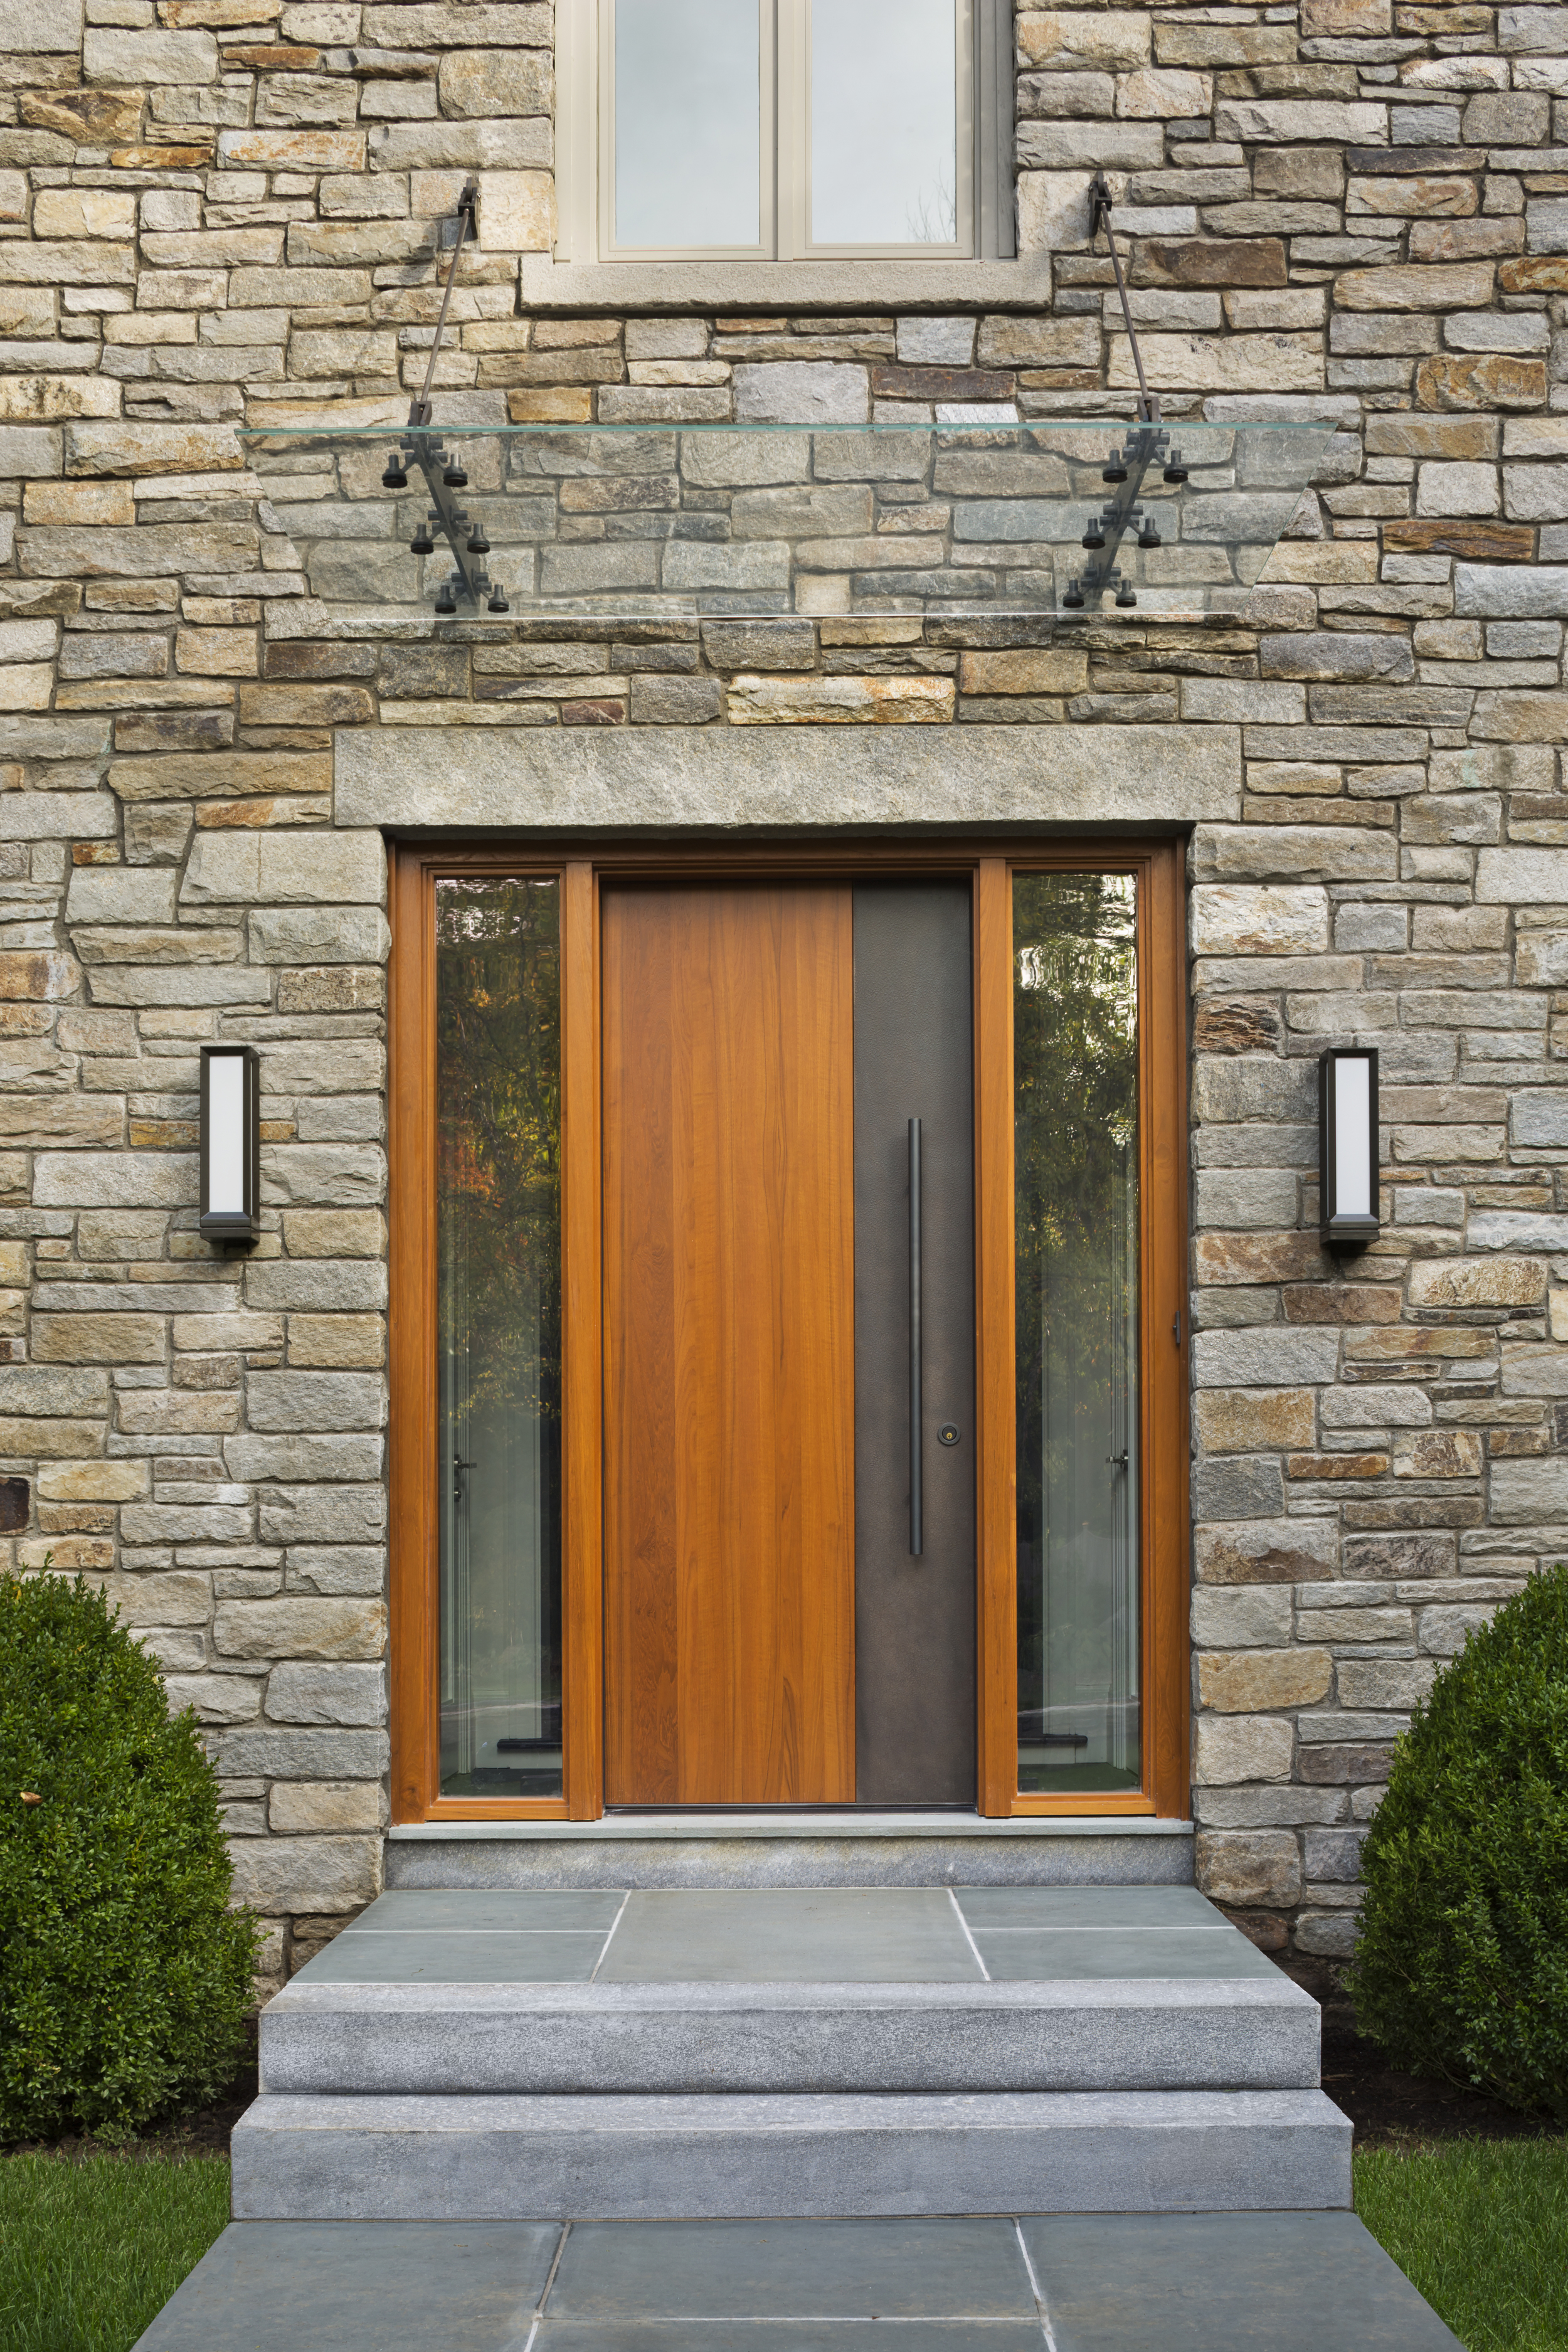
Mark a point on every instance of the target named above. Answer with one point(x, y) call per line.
point(1347, 1167)
point(230, 1143)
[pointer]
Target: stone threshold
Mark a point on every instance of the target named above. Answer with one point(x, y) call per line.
point(618, 1827)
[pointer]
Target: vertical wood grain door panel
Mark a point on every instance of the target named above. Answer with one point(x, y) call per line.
point(728, 1344)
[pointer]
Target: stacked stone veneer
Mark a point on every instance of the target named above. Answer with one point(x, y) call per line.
point(220, 210)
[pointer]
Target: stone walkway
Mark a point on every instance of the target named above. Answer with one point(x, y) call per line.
point(1163, 2282)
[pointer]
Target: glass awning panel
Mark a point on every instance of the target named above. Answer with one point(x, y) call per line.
point(651, 521)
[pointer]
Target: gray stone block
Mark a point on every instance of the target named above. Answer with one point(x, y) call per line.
point(542, 2157)
point(788, 777)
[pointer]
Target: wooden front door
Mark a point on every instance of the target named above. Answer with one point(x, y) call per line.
point(728, 1104)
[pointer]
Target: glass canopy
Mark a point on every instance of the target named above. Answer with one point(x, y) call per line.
point(987, 519)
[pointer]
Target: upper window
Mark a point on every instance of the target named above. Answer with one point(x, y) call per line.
point(778, 130)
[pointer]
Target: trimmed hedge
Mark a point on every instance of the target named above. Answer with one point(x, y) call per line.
point(1461, 1967)
point(125, 1979)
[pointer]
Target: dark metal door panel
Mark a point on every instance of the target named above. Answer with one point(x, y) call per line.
point(914, 1617)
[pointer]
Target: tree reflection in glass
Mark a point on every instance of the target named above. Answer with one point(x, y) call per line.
point(1075, 1016)
point(498, 1090)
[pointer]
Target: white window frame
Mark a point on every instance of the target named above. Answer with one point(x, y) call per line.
point(586, 143)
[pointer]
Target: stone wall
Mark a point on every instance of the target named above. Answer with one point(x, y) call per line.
point(221, 210)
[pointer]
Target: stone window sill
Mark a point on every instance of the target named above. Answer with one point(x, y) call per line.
point(772, 286)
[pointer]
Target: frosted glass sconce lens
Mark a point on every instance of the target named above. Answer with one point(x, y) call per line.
point(1347, 1147)
point(230, 1143)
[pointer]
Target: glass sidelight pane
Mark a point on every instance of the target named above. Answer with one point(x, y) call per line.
point(497, 1086)
point(1075, 1017)
point(688, 123)
point(884, 122)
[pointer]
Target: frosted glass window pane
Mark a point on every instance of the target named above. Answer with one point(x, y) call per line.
point(498, 1367)
point(226, 1134)
point(688, 123)
point(884, 122)
point(1352, 1147)
point(1075, 1033)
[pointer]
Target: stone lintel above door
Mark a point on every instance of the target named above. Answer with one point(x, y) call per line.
point(415, 779)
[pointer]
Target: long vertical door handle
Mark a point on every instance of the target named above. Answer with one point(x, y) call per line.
point(917, 1498)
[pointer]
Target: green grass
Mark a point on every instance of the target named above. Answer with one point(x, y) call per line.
point(90, 2252)
point(1481, 2228)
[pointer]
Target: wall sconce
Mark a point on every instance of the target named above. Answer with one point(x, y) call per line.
point(231, 1143)
point(1347, 1147)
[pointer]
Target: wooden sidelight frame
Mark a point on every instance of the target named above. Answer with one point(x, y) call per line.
point(1163, 1298)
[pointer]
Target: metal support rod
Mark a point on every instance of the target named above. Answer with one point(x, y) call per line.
point(1099, 217)
point(419, 410)
point(917, 1366)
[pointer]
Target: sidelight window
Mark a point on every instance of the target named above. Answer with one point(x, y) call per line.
point(1075, 1019)
point(498, 1334)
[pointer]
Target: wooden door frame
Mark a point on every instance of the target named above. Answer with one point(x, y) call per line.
point(987, 868)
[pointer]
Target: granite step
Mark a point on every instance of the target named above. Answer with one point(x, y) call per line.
point(503, 2158)
point(1054, 2035)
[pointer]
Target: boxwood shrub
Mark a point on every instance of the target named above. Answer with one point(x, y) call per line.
point(125, 1979)
point(1461, 1966)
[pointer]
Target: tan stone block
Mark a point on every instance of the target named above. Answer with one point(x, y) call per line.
point(1035, 669)
point(1339, 19)
point(840, 701)
point(1323, 564)
point(305, 706)
point(167, 1597)
point(1068, 36)
point(1261, 918)
point(1491, 377)
point(1242, 1682)
point(1437, 1453)
point(200, 774)
point(300, 1627)
point(79, 502)
point(1240, 1421)
point(565, 404)
point(1247, 1866)
point(1454, 286)
point(83, 212)
point(517, 212)
point(1162, 94)
point(1402, 435)
point(1478, 1282)
point(216, 652)
point(1444, 193)
point(1236, 1748)
point(1538, 273)
point(66, 1555)
point(96, 1482)
point(23, 1434)
point(97, 1338)
point(334, 1232)
point(1231, 1258)
point(1266, 1551)
point(311, 1875)
point(1281, 362)
point(324, 1805)
point(336, 1339)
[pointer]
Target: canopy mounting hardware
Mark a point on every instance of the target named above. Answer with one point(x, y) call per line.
point(1146, 445)
point(444, 474)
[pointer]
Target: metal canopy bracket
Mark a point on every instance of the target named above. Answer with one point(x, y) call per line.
point(1146, 445)
point(443, 473)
